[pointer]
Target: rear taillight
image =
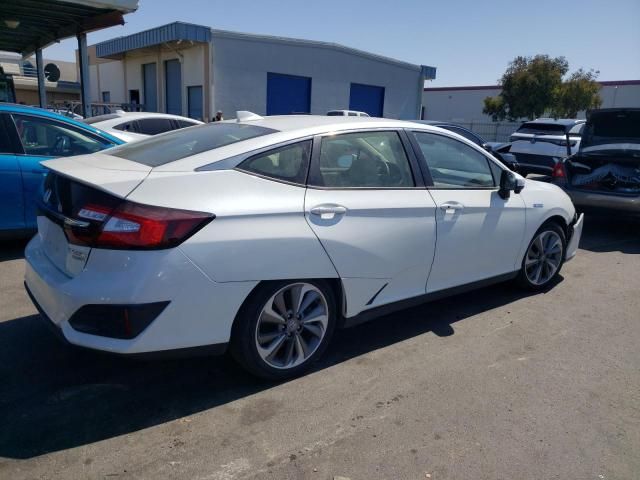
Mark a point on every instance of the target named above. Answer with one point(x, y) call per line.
point(559, 171)
point(133, 226)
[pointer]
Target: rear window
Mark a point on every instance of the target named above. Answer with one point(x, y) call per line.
point(179, 144)
point(542, 128)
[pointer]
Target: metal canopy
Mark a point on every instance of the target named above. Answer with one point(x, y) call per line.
point(29, 25)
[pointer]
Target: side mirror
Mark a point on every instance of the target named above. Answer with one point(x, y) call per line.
point(508, 182)
point(509, 160)
point(487, 147)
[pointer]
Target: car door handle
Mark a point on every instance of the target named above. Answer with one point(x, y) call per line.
point(451, 206)
point(327, 212)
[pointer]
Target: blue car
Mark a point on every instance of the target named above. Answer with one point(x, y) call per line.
point(28, 136)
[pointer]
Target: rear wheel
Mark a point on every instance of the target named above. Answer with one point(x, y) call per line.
point(544, 257)
point(284, 327)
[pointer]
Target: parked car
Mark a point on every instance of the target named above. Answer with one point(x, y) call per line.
point(605, 172)
point(500, 150)
point(346, 113)
point(134, 126)
point(539, 144)
point(264, 235)
point(28, 136)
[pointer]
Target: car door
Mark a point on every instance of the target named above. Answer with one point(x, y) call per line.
point(372, 215)
point(479, 234)
point(42, 138)
point(11, 200)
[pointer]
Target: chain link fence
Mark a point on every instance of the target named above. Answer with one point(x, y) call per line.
point(492, 131)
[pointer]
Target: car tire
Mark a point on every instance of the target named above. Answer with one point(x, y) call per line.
point(544, 257)
point(284, 327)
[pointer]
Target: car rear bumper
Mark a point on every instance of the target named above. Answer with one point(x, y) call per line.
point(604, 201)
point(200, 312)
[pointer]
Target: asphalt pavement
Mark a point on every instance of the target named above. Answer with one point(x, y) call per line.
point(494, 384)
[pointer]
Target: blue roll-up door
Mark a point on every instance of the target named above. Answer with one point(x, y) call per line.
point(194, 101)
point(173, 86)
point(367, 98)
point(288, 94)
point(150, 87)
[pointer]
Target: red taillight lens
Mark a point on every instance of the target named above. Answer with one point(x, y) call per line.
point(137, 227)
point(558, 171)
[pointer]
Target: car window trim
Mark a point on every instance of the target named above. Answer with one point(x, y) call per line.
point(12, 134)
point(101, 140)
point(273, 148)
point(423, 161)
point(314, 165)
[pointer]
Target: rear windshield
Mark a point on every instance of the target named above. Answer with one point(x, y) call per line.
point(172, 146)
point(542, 128)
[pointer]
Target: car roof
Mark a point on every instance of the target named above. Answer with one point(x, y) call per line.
point(136, 115)
point(41, 112)
point(287, 128)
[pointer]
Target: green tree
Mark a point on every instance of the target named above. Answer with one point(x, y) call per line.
point(578, 92)
point(532, 86)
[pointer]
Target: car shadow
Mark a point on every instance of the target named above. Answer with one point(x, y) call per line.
point(55, 397)
point(611, 233)
point(12, 249)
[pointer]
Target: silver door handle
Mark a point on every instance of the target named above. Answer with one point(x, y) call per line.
point(328, 211)
point(451, 206)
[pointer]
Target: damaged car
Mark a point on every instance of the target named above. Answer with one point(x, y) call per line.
point(605, 172)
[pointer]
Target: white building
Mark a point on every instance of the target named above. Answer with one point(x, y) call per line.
point(465, 104)
point(194, 70)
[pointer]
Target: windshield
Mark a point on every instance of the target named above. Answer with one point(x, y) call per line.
point(172, 146)
point(612, 128)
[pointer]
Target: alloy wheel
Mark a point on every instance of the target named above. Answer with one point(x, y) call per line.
point(544, 257)
point(291, 325)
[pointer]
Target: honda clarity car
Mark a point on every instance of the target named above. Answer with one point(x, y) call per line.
point(261, 236)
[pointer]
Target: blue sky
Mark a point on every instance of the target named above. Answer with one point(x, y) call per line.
point(469, 41)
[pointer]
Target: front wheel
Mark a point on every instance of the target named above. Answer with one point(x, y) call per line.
point(544, 257)
point(284, 327)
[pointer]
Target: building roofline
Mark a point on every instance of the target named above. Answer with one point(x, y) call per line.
point(315, 43)
point(190, 31)
point(499, 87)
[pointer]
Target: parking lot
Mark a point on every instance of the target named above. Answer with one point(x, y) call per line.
point(491, 384)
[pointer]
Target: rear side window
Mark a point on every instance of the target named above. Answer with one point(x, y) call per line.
point(5, 141)
point(154, 126)
point(362, 160)
point(156, 151)
point(541, 128)
point(288, 163)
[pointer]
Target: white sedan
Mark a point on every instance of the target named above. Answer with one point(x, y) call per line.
point(263, 235)
point(134, 126)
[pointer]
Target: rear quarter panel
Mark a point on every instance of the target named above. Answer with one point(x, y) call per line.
point(259, 232)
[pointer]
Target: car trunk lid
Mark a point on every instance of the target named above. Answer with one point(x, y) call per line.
point(72, 184)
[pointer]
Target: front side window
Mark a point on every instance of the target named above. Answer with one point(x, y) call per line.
point(49, 138)
point(288, 163)
point(452, 164)
point(363, 160)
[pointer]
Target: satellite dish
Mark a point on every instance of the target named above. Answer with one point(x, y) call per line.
point(51, 72)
